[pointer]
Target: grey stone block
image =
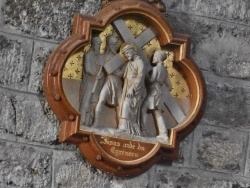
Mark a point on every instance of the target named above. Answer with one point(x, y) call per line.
point(220, 157)
point(224, 50)
point(141, 181)
point(42, 51)
point(247, 169)
point(71, 171)
point(46, 19)
point(218, 149)
point(219, 47)
point(187, 178)
point(185, 152)
point(28, 118)
point(228, 102)
point(15, 58)
point(173, 5)
point(8, 114)
point(223, 9)
point(24, 166)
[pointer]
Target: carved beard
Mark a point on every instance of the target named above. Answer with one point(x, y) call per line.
point(113, 50)
point(130, 57)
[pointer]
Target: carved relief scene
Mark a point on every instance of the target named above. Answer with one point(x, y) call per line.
point(125, 84)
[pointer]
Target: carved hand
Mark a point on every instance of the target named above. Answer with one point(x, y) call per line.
point(130, 94)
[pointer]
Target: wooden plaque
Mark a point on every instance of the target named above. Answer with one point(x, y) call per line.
point(124, 87)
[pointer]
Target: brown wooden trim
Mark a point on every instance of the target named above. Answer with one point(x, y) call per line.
point(70, 117)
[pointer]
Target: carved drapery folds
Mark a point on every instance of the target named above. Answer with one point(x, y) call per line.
point(124, 87)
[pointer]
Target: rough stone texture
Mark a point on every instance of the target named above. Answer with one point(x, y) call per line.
point(179, 178)
point(228, 102)
point(72, 171)
point(223, 9)
point(46, 19)
point(41, 54)
point(15, 57)
point(27, 117)
point(24, 166)
point(247, 169)
point(172, 5)
point(219, 149)
point(229, 47)
point(141, 181)
point(185, 151)
point(216, 155)
point(219, 47)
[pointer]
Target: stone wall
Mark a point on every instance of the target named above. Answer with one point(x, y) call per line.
point(216, 154)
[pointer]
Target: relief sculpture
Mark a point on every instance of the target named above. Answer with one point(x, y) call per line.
point(92, 83)
point(120, 86)
point(124, 88)
point(155, 95)
point(111, 91)
point(133, 92)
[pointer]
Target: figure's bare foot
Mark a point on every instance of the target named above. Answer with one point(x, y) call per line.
point(121, 130)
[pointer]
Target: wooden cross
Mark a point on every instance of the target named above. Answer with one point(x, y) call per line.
point(127, 37)
point(140, 41)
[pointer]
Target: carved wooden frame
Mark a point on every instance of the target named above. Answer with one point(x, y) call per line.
point(70, 118)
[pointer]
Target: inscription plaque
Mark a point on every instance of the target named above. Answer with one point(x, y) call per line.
point(124, 87)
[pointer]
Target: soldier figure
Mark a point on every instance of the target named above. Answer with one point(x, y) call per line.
point(112, 89)
point(93, 80)
point(155, 97)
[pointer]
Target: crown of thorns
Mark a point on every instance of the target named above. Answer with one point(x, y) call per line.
point(128, 47)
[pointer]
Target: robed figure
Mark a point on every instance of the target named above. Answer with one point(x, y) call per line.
point(133, 92)
point(93, 81)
